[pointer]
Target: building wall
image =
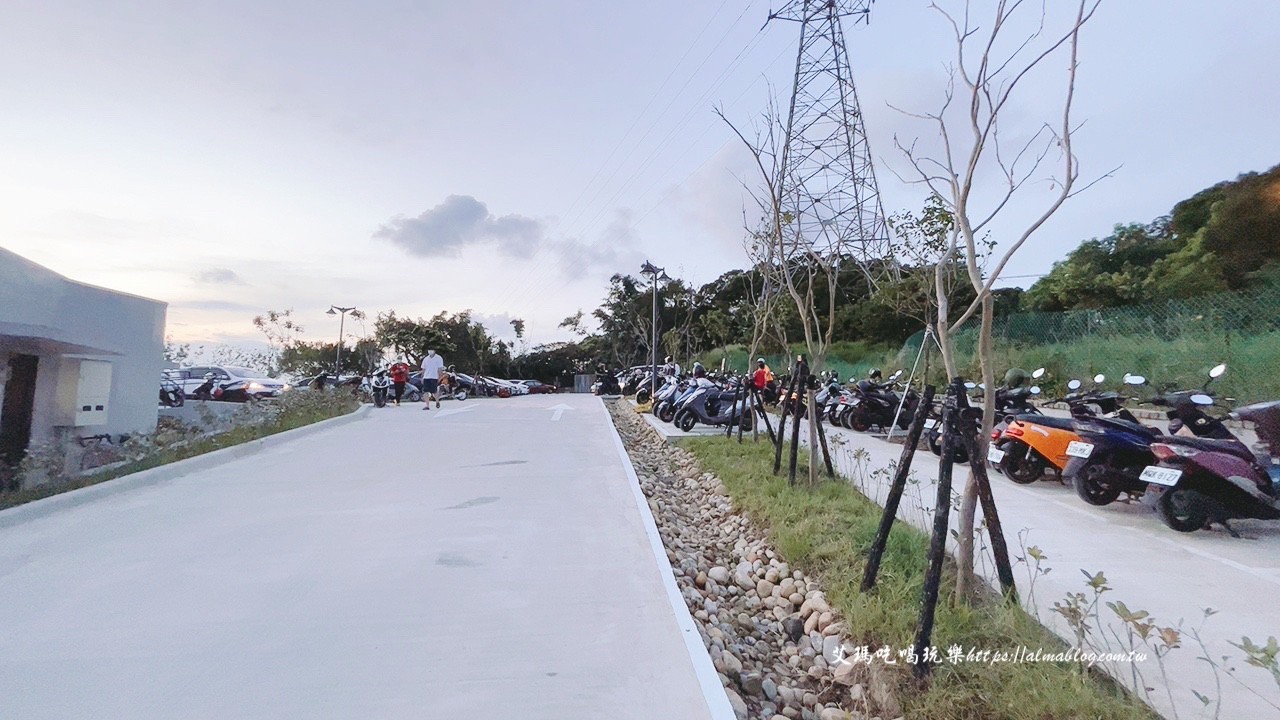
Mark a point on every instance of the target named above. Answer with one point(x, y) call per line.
point(63, 322)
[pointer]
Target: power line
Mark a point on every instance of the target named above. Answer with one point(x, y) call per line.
point(540, 275)
point(621, 163)
point(591, 183)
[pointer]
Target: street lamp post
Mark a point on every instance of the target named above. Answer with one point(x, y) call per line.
point(337, 361)
point(657, 274)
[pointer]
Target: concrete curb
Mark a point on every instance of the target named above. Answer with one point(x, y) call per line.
point(144, 478)
point(717, 700)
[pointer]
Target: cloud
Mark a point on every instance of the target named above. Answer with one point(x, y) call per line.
point(462, 221)
point(219, 276)
point(215, 305)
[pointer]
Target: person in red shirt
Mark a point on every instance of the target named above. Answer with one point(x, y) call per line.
point(399, 376)
point(762, 375)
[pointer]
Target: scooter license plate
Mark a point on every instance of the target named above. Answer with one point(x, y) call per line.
point(1160, 475)
point(930, 424)
point(1079, 449)
point(995, 454)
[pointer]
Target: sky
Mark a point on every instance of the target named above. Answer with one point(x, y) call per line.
point(508, 157)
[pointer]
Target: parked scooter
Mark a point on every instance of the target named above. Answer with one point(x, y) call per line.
point(1202, 481)
point(1030, 444)
point(877, 403)
point(664, 402)
point(377, 386)
point(1010, 401)
point(205, 390)
point(608, 385)
point(171, 394)
point(716, 407)
point(1115, 448)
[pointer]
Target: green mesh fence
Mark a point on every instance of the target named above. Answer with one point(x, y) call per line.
point(1168, 342)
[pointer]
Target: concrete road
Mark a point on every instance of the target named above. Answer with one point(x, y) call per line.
point(485, 560)
point(1173, 576)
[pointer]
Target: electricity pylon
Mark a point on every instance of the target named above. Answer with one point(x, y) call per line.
point(828, 185)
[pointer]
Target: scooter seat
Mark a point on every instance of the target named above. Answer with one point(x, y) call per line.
point(1047, 421)
point(1231, 447)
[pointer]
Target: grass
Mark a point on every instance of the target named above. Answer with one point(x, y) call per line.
point(847, 357)
point(827, 530)
point(167, 446)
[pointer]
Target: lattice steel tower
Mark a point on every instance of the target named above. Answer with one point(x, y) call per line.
point(828, 183)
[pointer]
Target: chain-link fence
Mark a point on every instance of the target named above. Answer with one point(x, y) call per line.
point(1168, 342)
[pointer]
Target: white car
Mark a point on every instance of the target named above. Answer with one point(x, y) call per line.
point(515, 387)
point(255, 385)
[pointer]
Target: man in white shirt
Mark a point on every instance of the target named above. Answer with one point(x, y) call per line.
point(432, 366)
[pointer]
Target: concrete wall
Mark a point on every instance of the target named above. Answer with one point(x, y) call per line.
point(63, 322)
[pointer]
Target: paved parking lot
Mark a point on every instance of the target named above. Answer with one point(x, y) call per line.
point(489, 559)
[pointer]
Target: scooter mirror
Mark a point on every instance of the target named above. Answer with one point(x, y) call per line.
point(1099, 378)
point(895, 375)
point(1217, 371)
point(1039, 373)
point(1035, 389)
point(970, 385)
point(1201, 399)
point(982, 386)
point(1134, 380)
point(1073, 385)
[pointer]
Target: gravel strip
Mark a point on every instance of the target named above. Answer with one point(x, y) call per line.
point(775, 641)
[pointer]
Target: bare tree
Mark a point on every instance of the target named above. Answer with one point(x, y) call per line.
point(993, 65)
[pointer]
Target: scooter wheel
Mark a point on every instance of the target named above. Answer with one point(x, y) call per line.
point(1092, 485)
point(1182, 510)
point(859, 422)
point(686, 421)
point(1021, 464)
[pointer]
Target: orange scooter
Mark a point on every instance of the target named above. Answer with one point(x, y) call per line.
point(1031, 444)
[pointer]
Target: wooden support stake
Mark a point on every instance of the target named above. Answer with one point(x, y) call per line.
point(938, 541)
point(978, 467)
point(895, 491)
point(782, 424)
point(802, 386)
point(760, 413)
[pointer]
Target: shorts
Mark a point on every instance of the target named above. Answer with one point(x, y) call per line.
point(430, 385)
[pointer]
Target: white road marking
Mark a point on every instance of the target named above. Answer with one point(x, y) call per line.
point(559, 411)
point(454, 411)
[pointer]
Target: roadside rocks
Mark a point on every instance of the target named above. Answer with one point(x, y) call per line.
point(772, 636)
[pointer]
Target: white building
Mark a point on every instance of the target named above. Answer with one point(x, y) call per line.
point(75, 360)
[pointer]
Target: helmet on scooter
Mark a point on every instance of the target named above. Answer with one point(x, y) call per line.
point(875, 374)
point(698, 370)
point(1016, 377)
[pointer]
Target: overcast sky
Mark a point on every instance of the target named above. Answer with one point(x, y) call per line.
point(507, 157)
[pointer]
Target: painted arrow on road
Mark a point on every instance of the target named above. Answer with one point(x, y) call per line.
point(454, 411)
point(559, 410)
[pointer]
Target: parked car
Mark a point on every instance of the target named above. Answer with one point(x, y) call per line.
point(329, 382)
point(250, 384)
point(538, 388)
point(514, 388)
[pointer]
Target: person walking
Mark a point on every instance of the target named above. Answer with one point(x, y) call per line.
point(432, 366)
point(399, 376)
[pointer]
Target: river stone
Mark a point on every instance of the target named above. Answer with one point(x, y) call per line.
point(793, 628)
